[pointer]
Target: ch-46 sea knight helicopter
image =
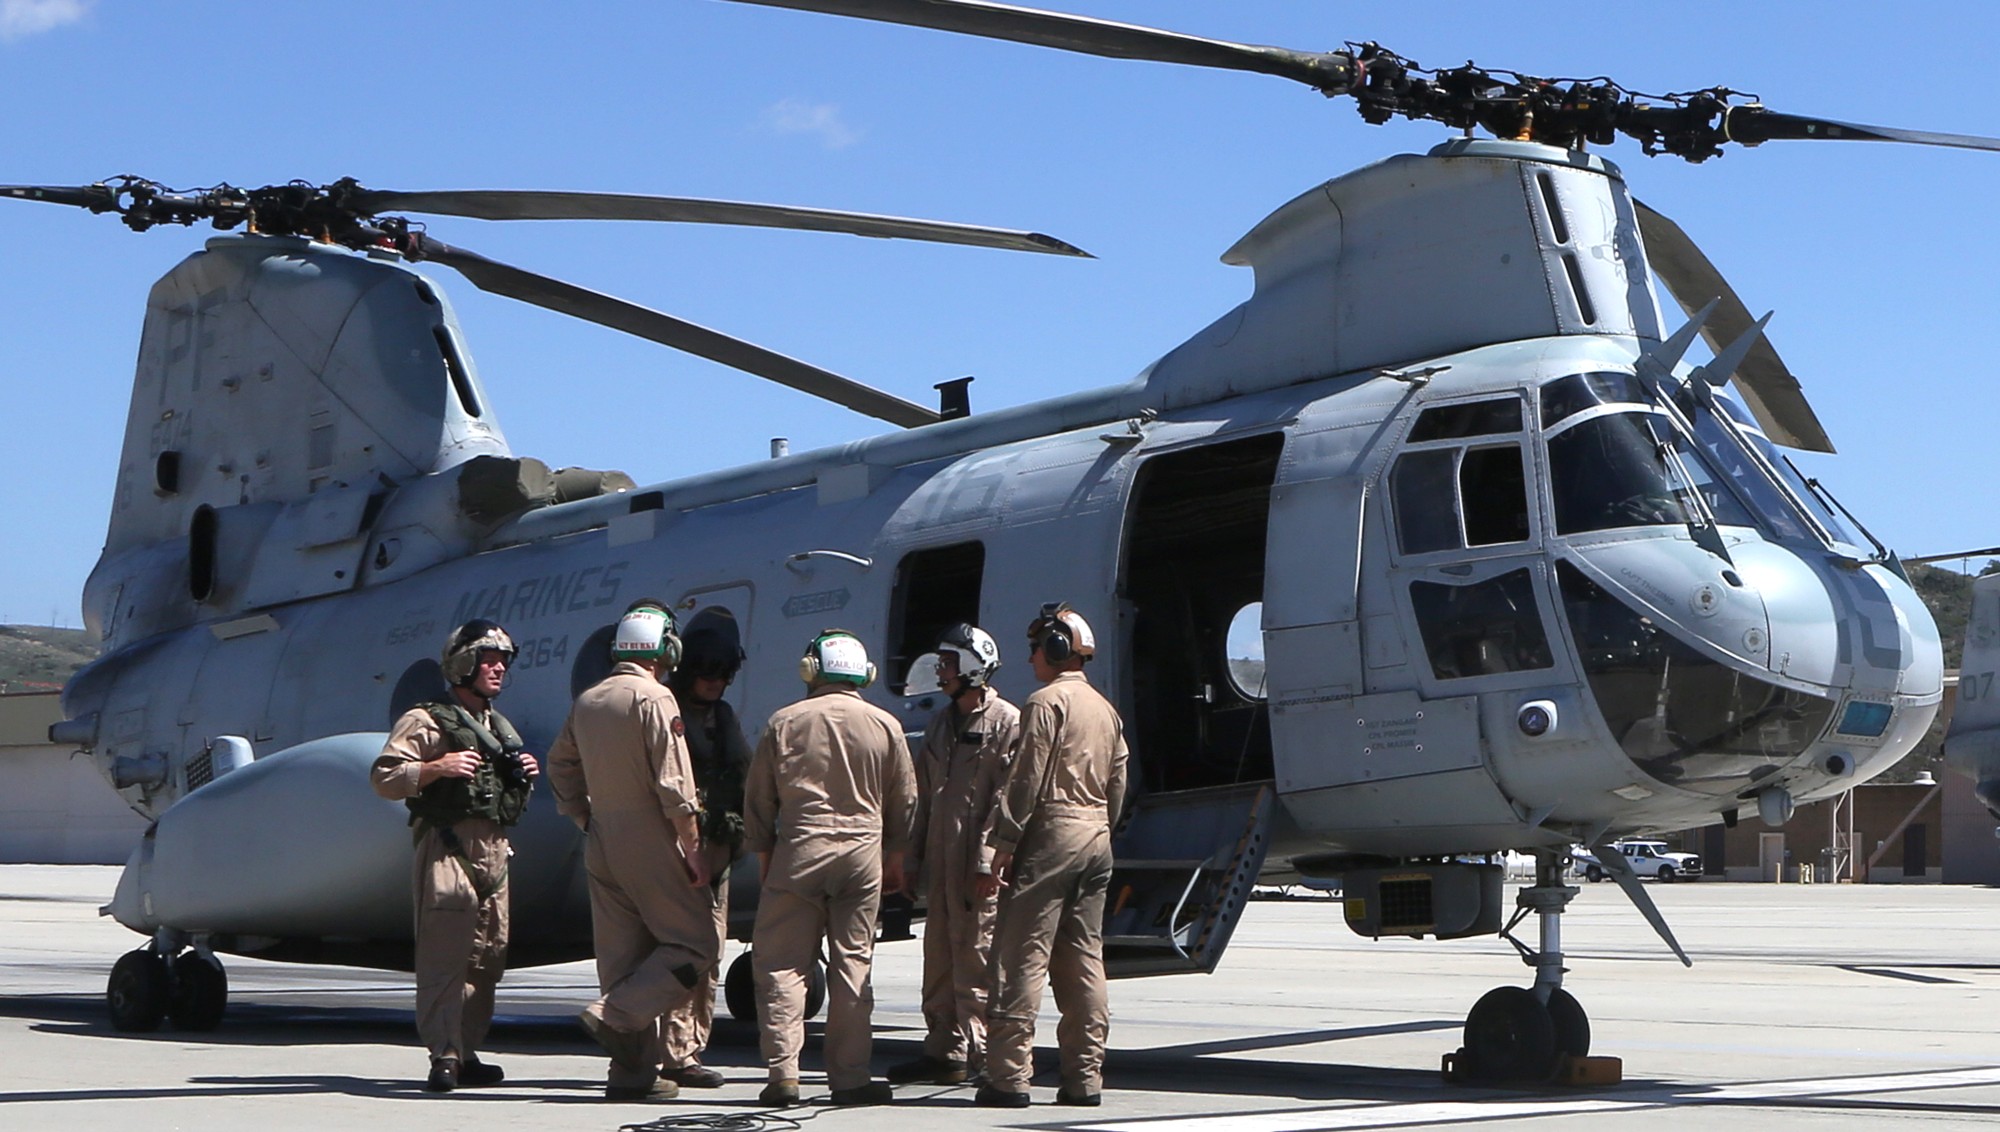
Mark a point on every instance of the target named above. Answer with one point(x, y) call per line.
point(1522, 578)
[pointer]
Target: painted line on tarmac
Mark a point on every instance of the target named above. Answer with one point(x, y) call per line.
point(1453, 1112)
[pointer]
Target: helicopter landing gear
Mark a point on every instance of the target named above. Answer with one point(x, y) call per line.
point(137, 991)
point(1528, 1034)
point(739, 989)
point(167, 980)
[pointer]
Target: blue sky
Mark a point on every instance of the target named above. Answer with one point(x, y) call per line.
point(1877, 258)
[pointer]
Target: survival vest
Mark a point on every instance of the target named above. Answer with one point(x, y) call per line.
point(497, 791)
point(720, 762)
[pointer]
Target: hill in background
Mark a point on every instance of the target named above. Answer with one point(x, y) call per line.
point(37, 658)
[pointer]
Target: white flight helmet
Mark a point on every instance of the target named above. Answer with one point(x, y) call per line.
point(978, 657)
point(647, 634)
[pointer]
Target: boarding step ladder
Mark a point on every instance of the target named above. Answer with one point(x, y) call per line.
point(1182, 869)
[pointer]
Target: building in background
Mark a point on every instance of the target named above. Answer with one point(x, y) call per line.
point(55, 809)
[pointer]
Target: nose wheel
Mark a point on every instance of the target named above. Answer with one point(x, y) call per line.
point(1516, 1035)
point(162, 982)
point(739, 988)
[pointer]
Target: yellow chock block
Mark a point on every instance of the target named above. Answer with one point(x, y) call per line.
point(1590, 1071)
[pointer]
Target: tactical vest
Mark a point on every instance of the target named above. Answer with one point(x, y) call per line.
point(496, 791)
point(717, 776)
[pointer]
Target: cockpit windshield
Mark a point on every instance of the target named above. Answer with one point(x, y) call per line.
point(1617, 459)
point(1747, 431)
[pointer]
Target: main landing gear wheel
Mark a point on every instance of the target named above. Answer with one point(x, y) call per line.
point(739, 989)
point(200, 992)
point(137, 991)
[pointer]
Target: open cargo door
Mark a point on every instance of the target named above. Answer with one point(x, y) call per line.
point(1182, 871)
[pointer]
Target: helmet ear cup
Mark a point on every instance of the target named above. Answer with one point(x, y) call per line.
point(809, 664)
point(1056, 645)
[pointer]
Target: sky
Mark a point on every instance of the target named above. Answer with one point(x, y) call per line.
point(1878, 259)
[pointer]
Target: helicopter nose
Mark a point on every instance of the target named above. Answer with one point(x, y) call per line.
point(1848, 626)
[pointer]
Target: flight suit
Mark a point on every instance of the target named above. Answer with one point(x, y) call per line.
point(459, 886)
point(1063, 792)
point(620, 771)
point(721, 760)
point(831, 791)
point(960, 771)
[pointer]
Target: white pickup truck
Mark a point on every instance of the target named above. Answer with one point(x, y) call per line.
point(1647, 858)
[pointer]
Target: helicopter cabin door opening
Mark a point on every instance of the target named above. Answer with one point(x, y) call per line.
point(1194, 564)
point(1200, 799)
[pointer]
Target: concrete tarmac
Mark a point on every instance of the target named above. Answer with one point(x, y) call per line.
point(1853, 1005)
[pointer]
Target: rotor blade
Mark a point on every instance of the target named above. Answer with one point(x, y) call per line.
point(1767, 386)
point(502, 279)
point(1754, 125)
point(1328, 72)
point(1927, 559)
point(503, 204)
point(97, 198)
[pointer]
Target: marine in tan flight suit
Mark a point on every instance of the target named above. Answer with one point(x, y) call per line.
point(620, 771)
point(827, 809)
point(1052, 864)
point(721, 760)
point(968, 746)
point(459, 766)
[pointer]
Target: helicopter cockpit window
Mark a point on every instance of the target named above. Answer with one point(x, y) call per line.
point(1471, 418)
point(1740, 471)
point(1453, 497)
point(1483, 628)
point(1746, 431)
point(1632, 469)
point(1577, 392)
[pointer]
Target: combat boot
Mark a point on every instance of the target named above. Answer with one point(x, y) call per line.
point(657, 1091)
point(874, 1092)
point(1078, 1097)
point(627, 1049)
point(990, 1097)
point(444, 1075)
point(780, 1093)
point(693, 1075)
point(475, 1073)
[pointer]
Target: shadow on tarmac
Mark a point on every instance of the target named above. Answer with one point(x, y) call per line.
point(1213, 1068)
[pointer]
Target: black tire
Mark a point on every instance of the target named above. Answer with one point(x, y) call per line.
point(200, 992)
point(137, 991)
point(1593, 874)
point(815, 989)
point(1666, 875)
point(1509, 1036)
point(739, 989)
point(1572, 1026)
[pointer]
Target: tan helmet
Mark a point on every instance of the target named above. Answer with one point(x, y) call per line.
point(462, 649)
point(1061, 632)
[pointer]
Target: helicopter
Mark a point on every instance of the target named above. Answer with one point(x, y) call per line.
point(1522, 577)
